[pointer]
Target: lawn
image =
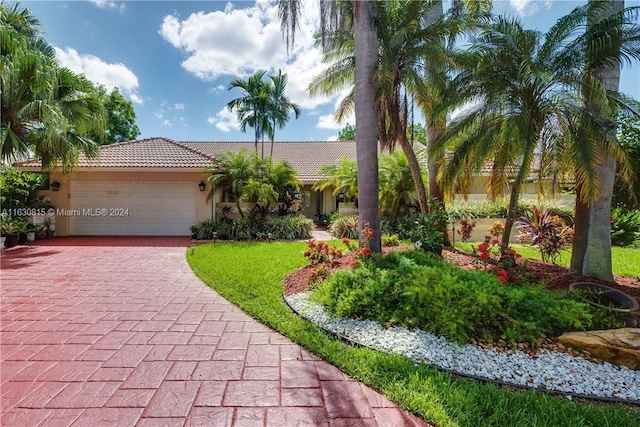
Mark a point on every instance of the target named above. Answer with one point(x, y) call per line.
point(250, 275)
point(626, 261)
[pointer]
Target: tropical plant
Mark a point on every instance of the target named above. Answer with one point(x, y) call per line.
point(285, 181)
point(397, 188)
point(546, 231)
point(343, 178)
point(426, 232)
point(230, 172)
point(363, 26)
point(47, 110)
point(466, 228)
point(525, 87)
point(20, 189)
point(252, 108)
point(279, 105)
point(345, 226)
point(625, 227)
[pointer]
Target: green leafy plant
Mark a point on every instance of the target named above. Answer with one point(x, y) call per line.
point(390, 240)
point(546, 231)
point(345, 226)
point(427, 231)
point(625, 227)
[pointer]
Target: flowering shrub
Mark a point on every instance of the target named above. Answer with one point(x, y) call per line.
point(317, 274)
point(466, 227)
point(364, 251)
point(502, 260)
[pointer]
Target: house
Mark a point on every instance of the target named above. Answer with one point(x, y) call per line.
point(153, 186)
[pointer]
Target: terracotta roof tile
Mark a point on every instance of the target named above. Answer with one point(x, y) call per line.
point(306, 157)
point(142, 153)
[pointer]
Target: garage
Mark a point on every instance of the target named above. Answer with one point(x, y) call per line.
point(131, 208)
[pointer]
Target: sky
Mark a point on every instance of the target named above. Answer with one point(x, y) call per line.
point(174, 60)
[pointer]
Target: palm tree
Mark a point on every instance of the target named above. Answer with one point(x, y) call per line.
point(611, 39)
point(397, 189)
point(366, 48)
point(252, 108)
point(46, 110)
point(343, 178)
point(230, 172)
point(524, 85)
point(280, 105)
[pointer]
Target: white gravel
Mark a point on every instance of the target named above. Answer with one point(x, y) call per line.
point(550, 370)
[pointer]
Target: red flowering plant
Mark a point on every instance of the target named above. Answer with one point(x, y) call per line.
point(502, 260)
point(322, 257)
point(363, 251)
point(466, 228)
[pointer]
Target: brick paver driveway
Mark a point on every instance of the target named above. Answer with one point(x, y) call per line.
point(119, 331)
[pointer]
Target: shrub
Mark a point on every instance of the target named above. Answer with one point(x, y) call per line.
point(625, 227)
point(496, 230)
point(419, 289)
point(546, 231)
point(426, 232)
point(345, 226)
point(466, 228)
point(289, 227)
point(389, 240)
point(204, 230)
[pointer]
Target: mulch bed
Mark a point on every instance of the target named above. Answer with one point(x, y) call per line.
point(555, 277)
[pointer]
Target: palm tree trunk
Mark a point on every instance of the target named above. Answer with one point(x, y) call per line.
point(591, 254)
point(414, 167)
point(366, 58)
point(512, 211)
point(434, 164)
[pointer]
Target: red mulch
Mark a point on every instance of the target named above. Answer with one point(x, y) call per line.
point(555, 276)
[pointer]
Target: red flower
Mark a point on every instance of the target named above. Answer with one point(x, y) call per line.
point(483, 247)
point(346, 241)
point(484, 255)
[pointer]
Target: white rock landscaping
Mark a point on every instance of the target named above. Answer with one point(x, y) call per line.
point(550, 370)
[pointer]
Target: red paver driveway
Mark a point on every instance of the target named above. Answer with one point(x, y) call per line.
point(119, 331)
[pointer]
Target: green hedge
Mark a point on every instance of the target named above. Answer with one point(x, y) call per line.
point(289, 227)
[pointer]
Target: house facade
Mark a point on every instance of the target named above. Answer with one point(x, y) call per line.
point(153, 187)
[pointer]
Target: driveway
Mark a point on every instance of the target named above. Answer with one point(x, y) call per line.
point(119, 331)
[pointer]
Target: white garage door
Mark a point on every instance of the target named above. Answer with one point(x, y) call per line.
point(115, 208)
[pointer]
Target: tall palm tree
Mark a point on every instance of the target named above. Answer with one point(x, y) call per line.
point(280, 105)
point(527, 92)
point(46, 110)
point(611, 39)
point(253, 106)
point(366, 48)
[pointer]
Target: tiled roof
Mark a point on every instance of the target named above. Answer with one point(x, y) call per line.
point(142, 153)
point(306, 157)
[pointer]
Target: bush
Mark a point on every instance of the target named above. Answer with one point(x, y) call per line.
point(426, 232)
point(345, 226)
point(466, 228)
point(289, 227)
point(389, 240)
point(625, 227)
point(418, 289)
point(498, 209)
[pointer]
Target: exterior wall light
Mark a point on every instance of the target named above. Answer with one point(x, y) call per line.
point(55, 186)
point(202, 185)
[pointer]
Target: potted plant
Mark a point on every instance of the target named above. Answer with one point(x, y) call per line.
point(49, 228)
point(31, 232)
point(10, 230)
point(23, 226)
point(608, 298)
point(40, 232)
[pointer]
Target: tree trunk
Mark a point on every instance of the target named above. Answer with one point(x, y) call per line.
point(416, 173)
point(512, 211)
point(434, 164)
point(366, 58)
point(591, 254)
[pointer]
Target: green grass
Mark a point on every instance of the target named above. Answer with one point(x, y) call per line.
point(625, 261)
point(250, 275)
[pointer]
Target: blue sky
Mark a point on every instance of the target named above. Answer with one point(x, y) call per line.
point(174, 59)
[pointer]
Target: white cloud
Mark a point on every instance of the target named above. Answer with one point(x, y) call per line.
point(224, 120)
point(111, 75)
point(110, 4)
point(529, 7)
point(178, 106)
point(328, 122)
point(214, 47)
point(167, 123)
point(333, 138)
